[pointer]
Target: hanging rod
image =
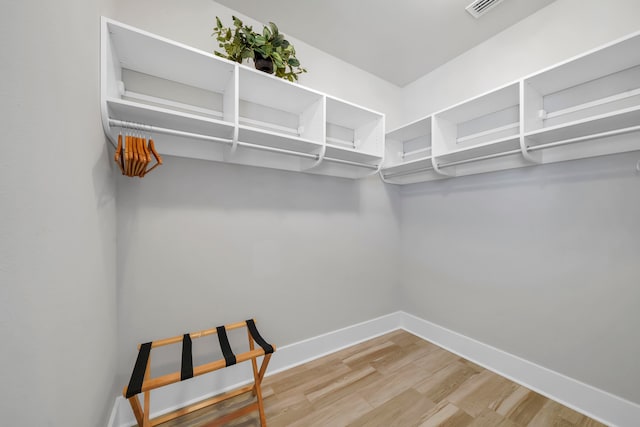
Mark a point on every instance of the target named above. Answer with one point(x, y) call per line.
point(584, 138)
point(475, 159)
point(156, 129)
point(349, 162)
point(409, 172)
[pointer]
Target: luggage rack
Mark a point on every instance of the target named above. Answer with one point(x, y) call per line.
point(141, 381)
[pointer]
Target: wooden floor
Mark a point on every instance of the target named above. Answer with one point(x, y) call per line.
point(395, 380)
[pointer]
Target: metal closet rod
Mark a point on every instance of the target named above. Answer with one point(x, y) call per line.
point(166, 131)
point(409, 172)
point(156, 129)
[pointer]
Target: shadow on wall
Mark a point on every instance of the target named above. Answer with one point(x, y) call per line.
point(200, 183)
point(593, 169)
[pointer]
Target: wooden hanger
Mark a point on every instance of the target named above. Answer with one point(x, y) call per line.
point(136, 157)
point(128, 154)
point(147, 160)
point(133, 155)
point(119, 154)
point(142, 157)
point(152, 148)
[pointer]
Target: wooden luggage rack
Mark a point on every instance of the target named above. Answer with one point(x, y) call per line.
point(142, 383)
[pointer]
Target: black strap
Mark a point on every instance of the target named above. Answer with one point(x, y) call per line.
point(268, 348)
point(187, 360)
point(229, 357)
point(139, 369)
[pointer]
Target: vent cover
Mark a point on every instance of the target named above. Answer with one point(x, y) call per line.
point(480, 7)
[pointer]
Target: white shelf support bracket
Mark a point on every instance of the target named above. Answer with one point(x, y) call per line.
point(321, 155)
point(379, 169)
point(235, 84)
point(382, 177)
point(437, 169)
point(528, 155)
point(234, 143)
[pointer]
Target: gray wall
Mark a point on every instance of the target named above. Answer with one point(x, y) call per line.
point(540, 262)
point(57, 234)
point(203, 243)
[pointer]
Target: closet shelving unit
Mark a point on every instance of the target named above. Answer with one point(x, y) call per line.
point(197, 105)
point(408, 157)
point(586, 106)
point(354, 140)
point(479, 135)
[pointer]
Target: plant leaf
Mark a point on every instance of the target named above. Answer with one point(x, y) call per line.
point(246, 53)
point(274, 28)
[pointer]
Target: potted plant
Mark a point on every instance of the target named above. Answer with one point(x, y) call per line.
point(270, 51)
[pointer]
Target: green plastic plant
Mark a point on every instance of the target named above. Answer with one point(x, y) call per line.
point(240, 42)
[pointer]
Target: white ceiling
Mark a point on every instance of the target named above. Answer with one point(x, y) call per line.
point(397, 40)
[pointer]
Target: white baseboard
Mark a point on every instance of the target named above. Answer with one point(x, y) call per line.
point(593, 402)
point(596, 403)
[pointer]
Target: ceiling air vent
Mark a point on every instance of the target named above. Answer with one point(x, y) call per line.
point(480, 7)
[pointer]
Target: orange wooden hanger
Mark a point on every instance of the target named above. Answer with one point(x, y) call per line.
point(136, 157)
point(133, 155)
point(127, 154)
point(142, 157)
point(157, 156)
point(147, 159)
point(119, 154)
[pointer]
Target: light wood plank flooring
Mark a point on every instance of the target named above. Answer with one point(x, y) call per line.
point(397, 379)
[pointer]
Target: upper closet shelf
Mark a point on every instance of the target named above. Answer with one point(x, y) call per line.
point(195, 104)
point(409, 156)
point(586, 106)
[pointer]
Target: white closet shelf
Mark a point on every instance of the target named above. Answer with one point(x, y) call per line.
point(497, 146)
point(409, 153)
point(351, 154)
point(264, 89)
point(124, 110)
point(416, 152)
point(201, 106)
point(147, 53)
point(627, 95)
point(282, 141)
point(497, 130)
point(421, 163)
point(620, 119)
